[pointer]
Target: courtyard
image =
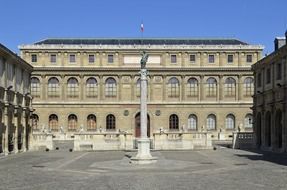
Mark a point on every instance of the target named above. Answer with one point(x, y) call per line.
point(223, 168)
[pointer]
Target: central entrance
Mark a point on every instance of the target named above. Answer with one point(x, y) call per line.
point(138, 125)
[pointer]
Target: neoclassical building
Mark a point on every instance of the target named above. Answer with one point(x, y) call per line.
point(91, 87)
point(15, 102)
point(270, 99)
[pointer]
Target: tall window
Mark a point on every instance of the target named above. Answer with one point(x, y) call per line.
point(229, 85)
point(249, 58)
point(192, 122)
point(110, 122)
point(248, 121)
point(91, 88)
point(53, 87)
point(211, 85)
point(35, 121)
point(91, 122)
point(91, 58)
point(33, 58)
point(72, 122)
point(229, 58)
point(72, 58)
point(173, 87)
point(53, 58)
point(248, 86)
point(111, 87)
point(110, 58)
point(268, 76)
point(173, 122)
point(278, 71)
point(192, 58)
point(192, 87)
point(210, 58)
point(259, 78)
point(173, 58)
point(53, 122)
point(73, 88)
point(138, 88)
point(35, 87)
point(230, 121)
point(211, 122)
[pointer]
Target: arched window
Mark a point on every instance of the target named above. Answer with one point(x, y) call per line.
point(230, 121)
point(211, 122)
point(111, 87)
point(110, 122)
point(248, 121)
point(229, 86)
point(211, 87)
point(53, 87)
point(173, 87)
point(138, 88)
point(192, 87)
point(268, 129)
point(91, 88)
point(34, 121)
point(35, 87)
point(248, 86)
point(73, 88)
point(72, 122)
point(91, 122)
point(173, 122)
point(53, 122)
point(192, 122)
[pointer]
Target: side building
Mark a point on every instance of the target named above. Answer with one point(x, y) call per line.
point(270, 99)
point(91, 87)
point(15, 102)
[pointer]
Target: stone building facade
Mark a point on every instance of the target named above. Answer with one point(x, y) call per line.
point(15, 102)
point(270, 99)
point(91, 87)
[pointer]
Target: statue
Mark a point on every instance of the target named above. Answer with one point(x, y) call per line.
point(144, 60)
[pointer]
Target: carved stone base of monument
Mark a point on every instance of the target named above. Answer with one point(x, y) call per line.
point(143, 156)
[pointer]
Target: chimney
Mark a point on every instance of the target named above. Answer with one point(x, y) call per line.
point(280, 41)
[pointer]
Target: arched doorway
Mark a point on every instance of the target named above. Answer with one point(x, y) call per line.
point(138, 125)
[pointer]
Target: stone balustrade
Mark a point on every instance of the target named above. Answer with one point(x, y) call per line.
point(243, 140)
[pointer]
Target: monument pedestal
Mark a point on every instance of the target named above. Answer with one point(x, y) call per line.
point(143, 156)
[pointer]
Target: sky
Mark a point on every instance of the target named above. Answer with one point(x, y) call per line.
point(252, 21)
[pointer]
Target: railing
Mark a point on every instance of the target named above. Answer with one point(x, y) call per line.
point(243, 140)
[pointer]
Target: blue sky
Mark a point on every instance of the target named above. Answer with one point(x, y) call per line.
point(253, 21)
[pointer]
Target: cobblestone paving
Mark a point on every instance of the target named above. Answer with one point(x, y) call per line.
point(206, 169)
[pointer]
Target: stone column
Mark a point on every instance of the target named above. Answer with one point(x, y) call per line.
point(16, 124)
point(6, 135)
point(23, 122)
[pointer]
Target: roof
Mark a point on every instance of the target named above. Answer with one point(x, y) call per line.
point(139, 41)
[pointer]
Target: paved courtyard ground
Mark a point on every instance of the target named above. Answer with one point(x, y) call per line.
point(206, 169)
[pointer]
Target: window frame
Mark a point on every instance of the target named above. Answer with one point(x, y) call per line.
point(34, 58)
point(72, 58)
point(211, 58)
point(53, 58)
point(173, 58)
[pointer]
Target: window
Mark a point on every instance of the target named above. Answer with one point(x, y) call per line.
point(211, 86)
point(91, 58)
point(91, 88)
point(259, 80)
point(192, 58)
point(248, 86)
point(110, 58)
point(249, 58)
point(211, 58)
point(278, 71)
point(173, 122)
point(192, 87)
point(34, 58)
point(35, 87)
point(91, 122)
point(173, 58)
point(53, 122)
point(248, 121)
point(230, 121)
point(229, 85)
point(53, 58)
point(73, 88)
point(72, 122)
point(53, 87)
point(110, 122)
point(192, 122)
point(72, 58)
point(173, 87)
point(111, 87)
point(211, 122)
point(35, 121)
point(268, 76)
point(229, 58)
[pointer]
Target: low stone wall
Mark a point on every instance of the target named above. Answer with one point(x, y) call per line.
point(243, 140)
point(41, 141)
point(182, 140)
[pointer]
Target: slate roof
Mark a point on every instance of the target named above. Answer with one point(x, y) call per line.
point(138, 41)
